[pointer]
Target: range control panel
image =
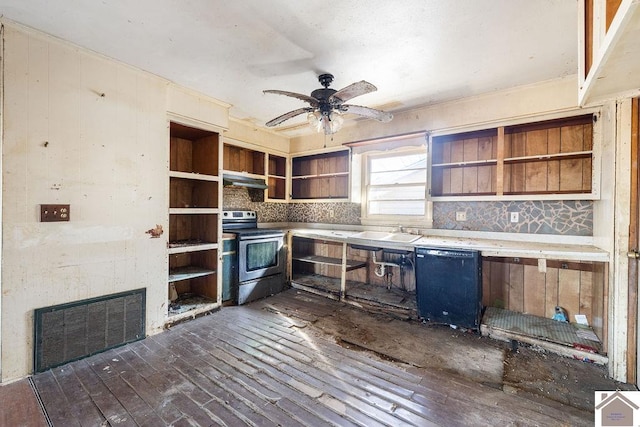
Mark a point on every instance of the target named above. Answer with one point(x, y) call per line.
point(239, 215)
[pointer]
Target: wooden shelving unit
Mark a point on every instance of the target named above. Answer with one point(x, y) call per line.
point(323, 260)
point(550, 157)
point(338, 271)
point(243, 160)
point(194, 220)
point(277, 177)
point(318, 264)
point(465, 164)
point(320, 176)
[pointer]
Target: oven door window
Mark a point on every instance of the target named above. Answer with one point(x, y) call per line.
point(261, 255)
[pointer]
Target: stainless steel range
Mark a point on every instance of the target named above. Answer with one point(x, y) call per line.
point(261, 256)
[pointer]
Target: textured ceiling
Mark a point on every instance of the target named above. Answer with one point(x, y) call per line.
point(415, 51)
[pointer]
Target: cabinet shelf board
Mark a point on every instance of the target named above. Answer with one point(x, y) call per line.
point(190, 272)
point(488, 162)
point(193, 175)
point(318, 259)
point(516, 193)
point(193, 211)
point(243, 174)
point(546, 157)
point(466, 195)
point(320, 175)
point(200, 309)
point(177, 248)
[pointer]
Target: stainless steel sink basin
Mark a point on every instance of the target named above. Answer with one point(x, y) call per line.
point(386, 236)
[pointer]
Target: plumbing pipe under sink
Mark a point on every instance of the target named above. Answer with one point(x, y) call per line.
point(381, 265)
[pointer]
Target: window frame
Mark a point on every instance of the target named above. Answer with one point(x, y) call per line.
point(422, 221)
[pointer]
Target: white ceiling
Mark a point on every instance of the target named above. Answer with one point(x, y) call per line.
point(415, 51)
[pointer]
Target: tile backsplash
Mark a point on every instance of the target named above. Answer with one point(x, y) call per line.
point(238, 198)
point(563, 217)
point(326, 213)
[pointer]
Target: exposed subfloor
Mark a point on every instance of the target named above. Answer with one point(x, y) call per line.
point(301, 359)
point(394, 300)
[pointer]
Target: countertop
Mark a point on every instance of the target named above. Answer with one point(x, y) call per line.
point(487, 247)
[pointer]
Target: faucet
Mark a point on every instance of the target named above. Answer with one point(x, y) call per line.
point(401, 229)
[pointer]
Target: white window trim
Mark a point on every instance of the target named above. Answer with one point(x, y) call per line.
point(425, 221)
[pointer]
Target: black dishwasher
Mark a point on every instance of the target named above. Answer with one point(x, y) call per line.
point(449, 286)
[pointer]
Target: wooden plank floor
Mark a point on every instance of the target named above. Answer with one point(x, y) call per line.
point(19, 406)
point(253, 365)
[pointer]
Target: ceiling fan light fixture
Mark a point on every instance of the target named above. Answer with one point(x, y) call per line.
point(329, 124)
point(326, 105)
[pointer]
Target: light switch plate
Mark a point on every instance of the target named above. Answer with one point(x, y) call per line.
point(55, 213)
point(515, 217)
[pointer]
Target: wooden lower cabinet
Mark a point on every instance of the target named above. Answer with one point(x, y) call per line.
point(517, 284)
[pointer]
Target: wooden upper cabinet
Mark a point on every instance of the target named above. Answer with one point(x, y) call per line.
point(611, 8)
point(245, 160)
point(193, 150)
point(277, 177)
point(465, 164)
point(321, 176)
point(550, 157)
point(609, 66)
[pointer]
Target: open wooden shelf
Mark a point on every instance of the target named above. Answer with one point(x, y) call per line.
point(319, 259)
point(321, 176)
point(244, 160)
point(194, 215)
point(277, 177)
point(188, 272)
point(549, 157)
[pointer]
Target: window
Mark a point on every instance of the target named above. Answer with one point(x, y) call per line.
point(396, 186)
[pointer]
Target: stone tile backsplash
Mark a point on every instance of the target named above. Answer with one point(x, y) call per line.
point(238, 198)
point(565, 217)
point(326, 213)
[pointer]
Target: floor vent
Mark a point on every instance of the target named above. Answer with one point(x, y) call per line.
point(71, 331)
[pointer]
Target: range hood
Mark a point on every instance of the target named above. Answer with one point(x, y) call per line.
point(243, 181)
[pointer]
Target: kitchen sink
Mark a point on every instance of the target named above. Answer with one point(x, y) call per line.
point(386, 236)
point(402, 237)
point(371, 235)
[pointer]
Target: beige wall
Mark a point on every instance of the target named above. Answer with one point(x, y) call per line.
point(242, 131)
point(93, 133)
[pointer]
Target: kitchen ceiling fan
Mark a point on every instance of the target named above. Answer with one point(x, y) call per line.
point(327, 105)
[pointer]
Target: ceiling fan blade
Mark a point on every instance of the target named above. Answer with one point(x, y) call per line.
point(287, 116)
point(306, 98)
point(381, 116)
point(354, 89)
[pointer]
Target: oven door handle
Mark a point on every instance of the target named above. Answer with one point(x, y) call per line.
point(261, 237)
